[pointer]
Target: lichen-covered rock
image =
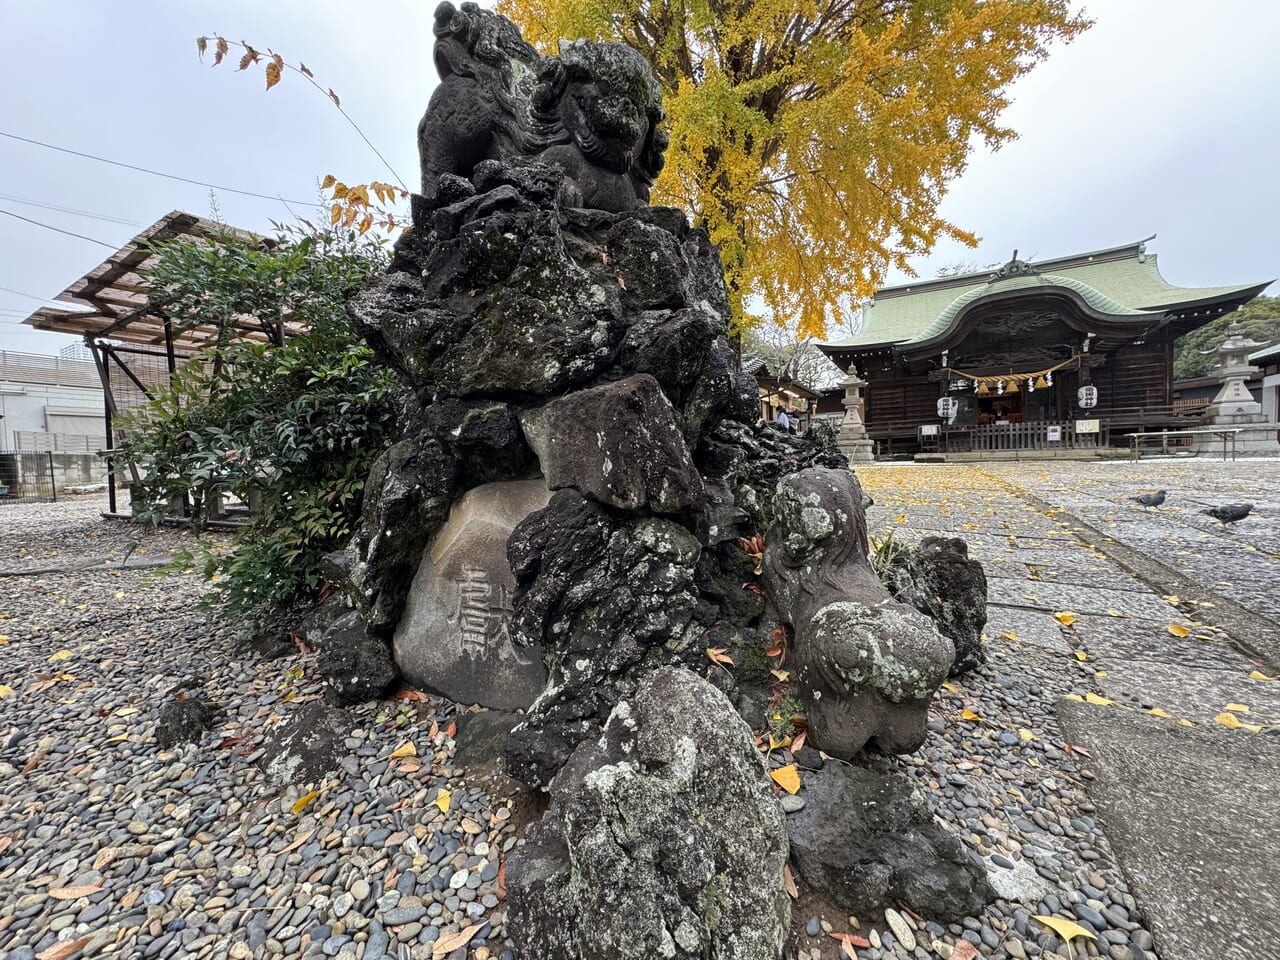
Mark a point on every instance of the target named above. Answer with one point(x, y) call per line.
point(608, 597)
point(617, 444)
point(865, 664)
point(867, 839)
point(938, 579)
point(662, 840)
point(408, 494)
point(306, 746)
point(183, 721)
point(356, 664)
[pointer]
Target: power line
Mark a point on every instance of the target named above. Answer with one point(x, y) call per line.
point(46, 205)
point(29, 296)
point(79, 236)
point(154, 173)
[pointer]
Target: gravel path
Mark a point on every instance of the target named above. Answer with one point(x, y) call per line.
point(109, 846)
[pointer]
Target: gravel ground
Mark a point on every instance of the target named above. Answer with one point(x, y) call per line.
point(110, 846)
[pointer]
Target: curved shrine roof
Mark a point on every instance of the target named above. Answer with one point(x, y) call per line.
point(1120, 282)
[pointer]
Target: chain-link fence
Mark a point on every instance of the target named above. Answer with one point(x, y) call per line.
point(27, 477)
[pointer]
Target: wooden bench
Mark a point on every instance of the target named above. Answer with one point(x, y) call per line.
point(1228, 435)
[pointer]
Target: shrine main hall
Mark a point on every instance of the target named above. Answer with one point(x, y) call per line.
point(1057, 353)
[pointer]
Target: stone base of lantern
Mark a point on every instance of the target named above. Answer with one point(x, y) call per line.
point(1258, 438)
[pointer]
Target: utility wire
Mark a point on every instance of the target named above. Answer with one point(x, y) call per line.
point(79, 236)
point(154, 173)
point(29, 296)
point(46, 205)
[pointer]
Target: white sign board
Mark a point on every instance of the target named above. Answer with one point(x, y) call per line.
point(1088, 426)
point(1053, 433)
point(928, 429)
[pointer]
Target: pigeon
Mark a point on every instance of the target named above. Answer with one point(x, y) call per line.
point(1231, 513)
point(1150, 499)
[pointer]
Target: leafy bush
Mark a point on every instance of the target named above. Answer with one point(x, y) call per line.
point(291, 429)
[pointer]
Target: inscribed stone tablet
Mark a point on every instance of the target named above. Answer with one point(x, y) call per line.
point(453, 638)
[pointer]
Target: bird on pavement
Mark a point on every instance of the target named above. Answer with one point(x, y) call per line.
point(1231, 513)
point(1150, 499)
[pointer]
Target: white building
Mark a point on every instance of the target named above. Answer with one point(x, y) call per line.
point(50, 403)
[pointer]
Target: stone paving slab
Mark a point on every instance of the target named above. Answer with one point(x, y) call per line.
point(1194, 815)
point(1027, 626)
point(1130, 639)
point(1064, 597)
point(1195, 694)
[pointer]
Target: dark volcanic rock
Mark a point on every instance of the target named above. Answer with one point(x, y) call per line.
point(305, 746)
point(662, 839)
point(408, 493)
point(868, 840)
point(617, 444)
point(867, 665)
point(183, 721)
point(609, 597)
point(357, 665)
point(938, 579)
point(481, 737)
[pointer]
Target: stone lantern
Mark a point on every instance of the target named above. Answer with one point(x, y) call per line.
point(852, 438)
point(1234, 405)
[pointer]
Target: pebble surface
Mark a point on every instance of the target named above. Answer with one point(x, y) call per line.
point(111, 847)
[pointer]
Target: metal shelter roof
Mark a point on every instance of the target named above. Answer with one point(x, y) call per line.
point(110, 301)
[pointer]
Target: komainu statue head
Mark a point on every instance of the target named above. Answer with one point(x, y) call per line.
point(598, 105)
point(866, 664)
point(594, 110)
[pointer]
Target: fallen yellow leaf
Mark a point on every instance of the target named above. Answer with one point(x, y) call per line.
point(787, 778)
point(1009, 634)
point(1066, 618)
point(60, 655)
point(1026, 735)
point(304, 801)
point(950, 687)
point(968, 714)
point(442, 800)
point(1066, 929)
point(406, 749)
point(1095, 699)
point(1185, 723)
point(1081, 656)
point(119, 738)
point(5, 691)
point(1177, 629)
point(1157, 712)
point(1236, 708)
point(1232, 722)
point(1114, 613)
point(1074, 696)
point(1259, 675)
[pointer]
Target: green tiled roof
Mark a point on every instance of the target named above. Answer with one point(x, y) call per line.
point(1120, 281)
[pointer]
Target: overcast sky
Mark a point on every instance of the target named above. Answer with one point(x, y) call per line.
point(1164, 118)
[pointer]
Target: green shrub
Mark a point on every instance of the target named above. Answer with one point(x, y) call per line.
point(291, 429)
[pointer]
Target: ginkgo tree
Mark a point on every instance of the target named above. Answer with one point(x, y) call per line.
point(816, 139)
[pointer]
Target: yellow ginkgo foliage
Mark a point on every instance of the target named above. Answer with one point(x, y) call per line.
point(815, 139)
